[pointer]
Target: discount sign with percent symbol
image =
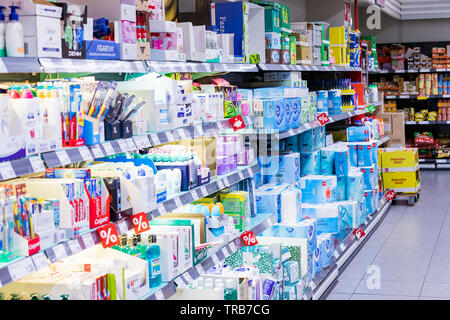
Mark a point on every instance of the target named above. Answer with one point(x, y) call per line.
point(108, 235)
point(249, 239)
point(323, 118)
point(140, 223)
point(359, 233)
point(390, 195)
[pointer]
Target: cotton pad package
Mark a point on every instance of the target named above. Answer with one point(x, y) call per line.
point(309, 163)
point(318, 189)
point(326, 216)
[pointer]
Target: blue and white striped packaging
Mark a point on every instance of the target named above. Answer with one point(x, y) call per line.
point(309, 163)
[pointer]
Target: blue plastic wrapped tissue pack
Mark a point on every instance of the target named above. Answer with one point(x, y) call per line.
point(326, 242)
point(353, 152)
point(365, 154)
point(342, 162)
point(309, 163)
point(317, 259)
point(296, 112)
point(308, 141)
point(327, 158)
point(370, 199)
point(318, 189)
point(358, 134)
point(268, 198)
point(326, 216)
point(286, 170)
point(322, 101)
point(349, 215)
point(341, 188)
point(369, 177)
point(355, 185)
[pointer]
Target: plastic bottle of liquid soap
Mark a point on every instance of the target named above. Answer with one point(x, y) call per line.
point(14, 35)
point(2, 32)
point(152, 255)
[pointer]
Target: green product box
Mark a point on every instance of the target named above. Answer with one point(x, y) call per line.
point(272, 19)
point(236, 205)
point(293, 49)
point(285, 18)
point(260, 256)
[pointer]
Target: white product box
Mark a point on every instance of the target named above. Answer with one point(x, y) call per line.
point(163, 26)
point(42, 36)
point(194, 41)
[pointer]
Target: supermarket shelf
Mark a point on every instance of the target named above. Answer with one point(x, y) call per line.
point(258, 225)
point(22, 267)
point(52, 65)
point(383, 140)
point(220, 183)
point(409, 71)
point(322, 281)
point(19, 65)
point(316, 123)
point(426, 122)
point(415, 96)
point(434, 163)
point(292, 67)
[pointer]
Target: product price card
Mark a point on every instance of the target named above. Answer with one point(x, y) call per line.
point(87, 240)
point(85, 153)
point(7, 171)
point(63, 157)
point(21, 269)
point(108, 148)
point(60, 252)
point(74, 246)
point(37, 164)
point(140, 143)
point(130, 143)
point(97, 151)
point(40, 261)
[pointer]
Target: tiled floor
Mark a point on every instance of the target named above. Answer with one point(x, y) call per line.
point(408, 256)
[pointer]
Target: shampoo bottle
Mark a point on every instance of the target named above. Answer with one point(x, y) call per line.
point(2, 32)
point(14, 35)
point(152, 255)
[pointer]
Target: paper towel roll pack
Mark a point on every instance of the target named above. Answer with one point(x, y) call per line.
point(365, 154)
point(342, 162)
point(326, 216)
point(327, 159)
point(355, 185)
point(291, 208)
point(309, 163)
point(358, 134)
point(318, 189)
point(370, 177)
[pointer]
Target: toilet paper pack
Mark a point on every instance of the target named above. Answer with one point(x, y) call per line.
point(318, 189)
point(309, 163)
point(326, 216)
point(365, 154)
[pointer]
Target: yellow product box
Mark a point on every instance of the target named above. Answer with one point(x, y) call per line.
point(340, 54)
point(406, 182)
point(209, 199)
point(237, 206)
point(338, 36)
point(399, 159)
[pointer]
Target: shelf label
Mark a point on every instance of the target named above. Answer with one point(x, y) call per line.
point(21, 269)
point(123, 145)
point(87, 240)
point(424, 122)
point(237, 123)
point(63, 157)
point(359, 233)
point(323, 118)
point(40, 261)
point(85, 154)
point(140, 223)
point(403, 97)
point(108, 235)
point(145, 142)
point(60, 252)
point(108, 148)
point(130, 143)
point(371, 108)
point(422, 97)
point(7, 171)
point(249, 239)
point(97, 151)
point(74, 246)
point(441, 161)
point(37, 164)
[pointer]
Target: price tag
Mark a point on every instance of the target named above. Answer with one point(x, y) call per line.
point(323, 118)
point(159, 295)
point(122, 227)
point(123, 145)
point(85, 153)
point(424, 122)
point(37, 164)
point(139, 142)
point(7, 171)
point(215, 259)
point(131, 144)
point(237, 123)
point(200, 269)
point(40, 261)
point(63, 157)
point(403, 97)
point(359, 233)
point(188, 277)
point(60, 252)
point(21, 269)
point(108, 235)
point(145, 141)
point(249, 239)
point(74, 246)
point(140, 223)
point(422, 97)
point(97, 151)
point(441, 161)
point(87, 240)
point(108, 148)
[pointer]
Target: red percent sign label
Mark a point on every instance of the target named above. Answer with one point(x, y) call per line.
point(323, 118)
point(108, 235)
point(249, 239)
point(237, 123)
point(390, 195)
point(140, 223)
point(359, 233)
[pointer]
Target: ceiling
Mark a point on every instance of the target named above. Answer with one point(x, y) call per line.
point(414, 9)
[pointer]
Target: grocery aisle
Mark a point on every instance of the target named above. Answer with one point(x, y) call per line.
point(411, 247)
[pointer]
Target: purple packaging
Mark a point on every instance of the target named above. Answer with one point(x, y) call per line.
point(268, 288)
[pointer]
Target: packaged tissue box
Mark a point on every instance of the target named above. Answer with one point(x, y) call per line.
point(349, 215)
point(326, 242)
point(318, 189)
point(290, 208)
point(287, 170)
point(326, 216)
point(355, 185)
point(370, 177)
point(327, 159)
point(365, 154)
point(317, 259)
point(309, 163)
point(342, 162)
point(341, 188)
point(359, 134)
point(268, 198)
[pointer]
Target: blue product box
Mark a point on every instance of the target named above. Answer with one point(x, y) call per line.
point(317, 259)
point(288, 114)
point(296, 112)
point(322, 101)
point(273, 40)
point(326, 216)
point(293, 143)
point(341, 188)
point(349, 215)
point(369, 195)
point(369, 177)
point(342, 163)
point(353, 151)
point(309, 163)
point(365, 154)
point(268, 198)
point(327, 161)
point(358, 134)
point(326, 242)
point(280, 114)
point(287, 168)
point(307, 141)
point(318, 189)
point(102, 50)
point(355, 186)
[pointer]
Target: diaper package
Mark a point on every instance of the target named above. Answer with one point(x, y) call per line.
point(309, 163)
point(318, 189)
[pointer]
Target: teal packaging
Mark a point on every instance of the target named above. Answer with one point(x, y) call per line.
point(309, 163)
point(341, 188)
point(290, 272)
point(296, 112)
point(327, 161)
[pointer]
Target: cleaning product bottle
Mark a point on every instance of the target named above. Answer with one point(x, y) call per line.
point(230, 291)
point(2, 32)
point(14, 35)
point(152, 255)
